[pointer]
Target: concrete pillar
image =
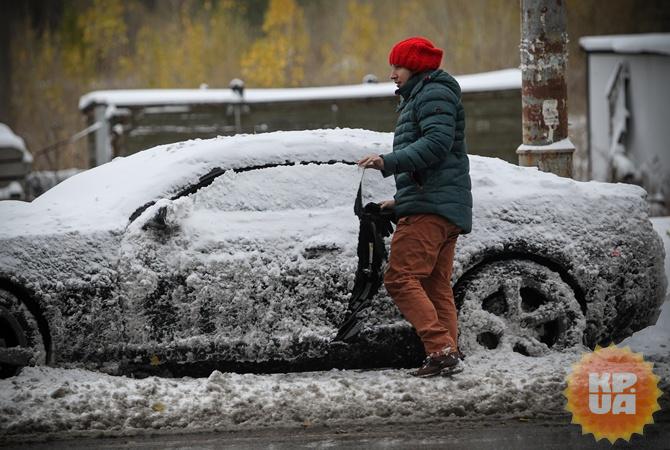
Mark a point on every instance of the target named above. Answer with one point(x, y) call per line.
point(544, 54)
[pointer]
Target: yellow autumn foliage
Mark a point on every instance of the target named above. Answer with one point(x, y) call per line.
point(360, 37)
point(277, 58)
point(104, 39)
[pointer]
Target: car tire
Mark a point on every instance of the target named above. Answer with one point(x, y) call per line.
point(21, 341)
point(519, 305)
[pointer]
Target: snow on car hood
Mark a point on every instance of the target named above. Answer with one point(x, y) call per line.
point(104, 197)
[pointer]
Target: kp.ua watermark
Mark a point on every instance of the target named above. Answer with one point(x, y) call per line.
point(612, 393)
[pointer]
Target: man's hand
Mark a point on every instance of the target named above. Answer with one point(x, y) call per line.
point(387, 204)
point(372, 162)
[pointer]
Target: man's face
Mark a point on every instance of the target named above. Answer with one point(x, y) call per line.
point(400, 75)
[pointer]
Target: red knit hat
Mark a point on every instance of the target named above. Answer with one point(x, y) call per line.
point(416, 54)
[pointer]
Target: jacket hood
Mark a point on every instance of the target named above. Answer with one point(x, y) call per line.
point(416, 83)
point(440, 76)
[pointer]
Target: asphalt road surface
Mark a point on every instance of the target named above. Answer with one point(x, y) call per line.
point(462, 434)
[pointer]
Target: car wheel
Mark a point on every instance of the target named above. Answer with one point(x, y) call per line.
point(21, 342)
point(519, 305)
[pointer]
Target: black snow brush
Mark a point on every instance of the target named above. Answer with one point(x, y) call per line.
point(374, 225)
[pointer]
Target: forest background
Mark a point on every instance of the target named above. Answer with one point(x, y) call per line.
point(54, 51)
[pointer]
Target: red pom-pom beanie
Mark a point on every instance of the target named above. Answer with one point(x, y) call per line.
point(416, 54)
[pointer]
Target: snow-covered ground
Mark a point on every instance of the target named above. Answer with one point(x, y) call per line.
point(494, 384)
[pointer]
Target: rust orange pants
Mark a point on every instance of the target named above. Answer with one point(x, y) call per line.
point(418, 278)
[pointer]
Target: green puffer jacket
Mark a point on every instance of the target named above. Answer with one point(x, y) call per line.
point(429, 159)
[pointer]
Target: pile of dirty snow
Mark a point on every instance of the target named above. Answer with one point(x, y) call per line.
point(66, 402)
point(49, 400)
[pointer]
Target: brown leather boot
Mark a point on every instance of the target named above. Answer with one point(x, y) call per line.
point(445, 362)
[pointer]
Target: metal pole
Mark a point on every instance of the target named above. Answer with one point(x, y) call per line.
point(237, 86)
point(544, 54)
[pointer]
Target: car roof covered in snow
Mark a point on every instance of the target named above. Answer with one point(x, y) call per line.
point(104, 197)
point(479, 82)
point(658, 43)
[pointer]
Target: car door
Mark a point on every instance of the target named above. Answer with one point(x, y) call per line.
point(256, 266)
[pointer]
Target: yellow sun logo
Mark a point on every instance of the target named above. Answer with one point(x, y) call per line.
point(612, 393)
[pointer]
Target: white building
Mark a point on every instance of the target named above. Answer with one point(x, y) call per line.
point(628, 98)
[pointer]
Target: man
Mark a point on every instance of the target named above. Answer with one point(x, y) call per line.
point(433, 200)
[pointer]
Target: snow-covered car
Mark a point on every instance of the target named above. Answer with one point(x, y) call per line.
point(239, 253)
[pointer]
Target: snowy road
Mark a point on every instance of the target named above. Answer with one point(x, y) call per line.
point(517, 434)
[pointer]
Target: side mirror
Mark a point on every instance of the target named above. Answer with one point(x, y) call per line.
point(157, 222)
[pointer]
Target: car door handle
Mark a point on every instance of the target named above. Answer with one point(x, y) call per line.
point(316, 251)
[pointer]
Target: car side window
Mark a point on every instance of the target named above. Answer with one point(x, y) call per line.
point(291, 187)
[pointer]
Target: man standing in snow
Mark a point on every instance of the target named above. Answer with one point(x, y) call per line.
point(433, 201)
